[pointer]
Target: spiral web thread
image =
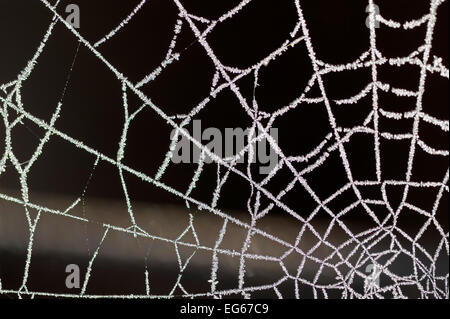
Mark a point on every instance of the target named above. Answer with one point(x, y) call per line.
point(424, 278)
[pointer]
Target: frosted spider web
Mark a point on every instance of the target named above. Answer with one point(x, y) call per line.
point(345, 261)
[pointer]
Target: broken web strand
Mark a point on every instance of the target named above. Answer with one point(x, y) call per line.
point(320, 68)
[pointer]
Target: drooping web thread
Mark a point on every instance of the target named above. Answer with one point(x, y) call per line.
point(423, 277)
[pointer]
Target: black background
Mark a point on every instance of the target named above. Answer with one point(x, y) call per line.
point(92, 106)
point(92, 110)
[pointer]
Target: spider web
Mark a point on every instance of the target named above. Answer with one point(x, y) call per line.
point(346, 261)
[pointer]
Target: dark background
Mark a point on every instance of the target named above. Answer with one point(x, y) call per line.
point(92, 109)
